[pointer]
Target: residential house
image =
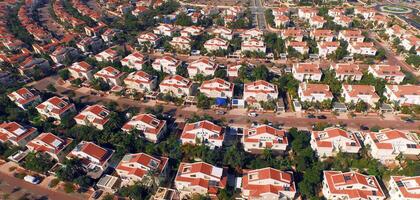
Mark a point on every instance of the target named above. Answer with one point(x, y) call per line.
point(223, 32)
point(410, 41)
point(134, 168)
point(260, 91)
point(252, 33)
point(268, 183)
point(387, 144)
point(343, 21)
point(362, 48)
point(152, 128)
point(356, 93)
point(95, 115)
point(344, 71)
point(292, 34)
point(404, 187)
point(55, 107)
point(176, 85)
point(110, 75)
point(253, 45)
point(148, 38)
point(307, 13)
point(306, 71)
point(24, 98)
point(314, 92)
point(327, 48)
point(109, 55)
point(395, 31)
point(403, 94)
point(181, 43)
point(323, 35)
point(351, 36)
point(301, 47)
point(217, 88)
point(16, 134)
point(281, 21)
point(49, 144)
point(257, 139)
point(166, 64)
point(192, 31)
point(164, 29)
point(204, 132)
point(203, 66)
point(366, 12)
point(333, 140)
point(216, 44)
point(135, 60)
point(317, 21)
point(95, 159)
point(351, 185)
point(391, 73)
point(61, 54)
point(81, 70)
point(90, 44)
point(140, 81)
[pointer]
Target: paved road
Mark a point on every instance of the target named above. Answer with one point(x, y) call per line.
point(392, 58)
point(239, 118)
point(9, 182)
point(257, 10)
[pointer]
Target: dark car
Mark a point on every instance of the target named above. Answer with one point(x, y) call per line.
point(321, 117)
point(409, 120)
point(96, 194)
point(364, 128)
point(311, 116)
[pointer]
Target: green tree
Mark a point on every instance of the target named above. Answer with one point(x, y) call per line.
point(182, 71)
point(260, 73)
point(38, 162)
point(51, 88)
point(64, 74)
point(203, 101)
point(183, 20)
point(220, 73)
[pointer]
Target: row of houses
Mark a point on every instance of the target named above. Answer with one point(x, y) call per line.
point(204, 178)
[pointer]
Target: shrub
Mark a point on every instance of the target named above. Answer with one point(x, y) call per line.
point(20, 175)
point(54, 183)
point(12, 168)
point(68, 187)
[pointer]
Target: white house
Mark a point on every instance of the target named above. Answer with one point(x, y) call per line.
point(95, 159)
point(95, 115)
point(332, 140)
point(109, 55)
point(367, 13)
point(176, 85)
point(24, 98)
point(253, 44)
point(61, 53)
point(306, 71)
point(255, 140)
point(344, 71)
point(167, 64)
point(314, 92)
point(81, 70)
point(217, 87)
point(150, 38)
point(140, 81)
point(110, 75)
point(55, 107)
point(260, 91)
point(16, 134)
point(301, 47)
point(327, 48)
point(233, 70)
point(356, 93)
point(403, 94)
point(362, 48)
point(192, 31)
point(322, 35)
point(387, 144)
point(281, 20)
point(333, 12)
point(317, 21)
point(252, 33)
point(164, 29)
point(134, 168)
point(223, 32)
point(204, 132)
point(410, 42)
point(395, 31)
point(215, 44)
point(136, 60)
point(268, 183)
point(307, 13)
point(200, 178)
point(391, 73)
point(203, 66)
point(351, 185)
point(181, 43)
point(48, 143)
point(292, 34)
point(404, 187)
point(343, 20)
point(351, 36)
point(152, 128)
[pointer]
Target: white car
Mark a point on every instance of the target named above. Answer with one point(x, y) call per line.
point(252, 114)
point(31, 179)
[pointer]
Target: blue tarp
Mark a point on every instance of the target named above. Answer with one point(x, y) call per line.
point(221, 101)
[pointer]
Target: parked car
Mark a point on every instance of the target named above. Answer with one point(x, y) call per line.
point(364, 128)
point(252, 114)
point(31, 179)
point(311, 116)
point(96, 194)
point(220, 112)
point(321, 117)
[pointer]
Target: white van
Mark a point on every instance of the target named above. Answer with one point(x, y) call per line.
point(31, 179)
